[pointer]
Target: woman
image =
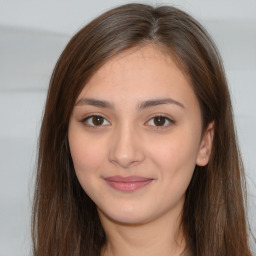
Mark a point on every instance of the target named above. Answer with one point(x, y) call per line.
point(137, 151)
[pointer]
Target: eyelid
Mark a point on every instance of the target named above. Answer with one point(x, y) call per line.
point(94, 126)
point(170, 120)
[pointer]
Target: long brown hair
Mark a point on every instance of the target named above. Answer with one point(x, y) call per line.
point(65, 220)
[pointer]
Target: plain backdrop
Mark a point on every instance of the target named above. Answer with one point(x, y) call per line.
point(33, 34)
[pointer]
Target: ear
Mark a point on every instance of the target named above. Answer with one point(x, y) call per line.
point(205, 148)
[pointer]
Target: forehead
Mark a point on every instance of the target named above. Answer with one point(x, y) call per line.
point(138, 73)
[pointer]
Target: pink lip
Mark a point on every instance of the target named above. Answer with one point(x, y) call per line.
point(127, 184)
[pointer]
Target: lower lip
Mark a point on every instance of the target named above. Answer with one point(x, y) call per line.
point(128, 186)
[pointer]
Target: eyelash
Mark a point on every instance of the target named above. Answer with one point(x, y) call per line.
point(166, 119)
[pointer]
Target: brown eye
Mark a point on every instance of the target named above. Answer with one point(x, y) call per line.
point(95, 121)
point(160, 121)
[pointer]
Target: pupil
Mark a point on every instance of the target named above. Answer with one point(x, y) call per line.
point(97, 120)
point(159, 120)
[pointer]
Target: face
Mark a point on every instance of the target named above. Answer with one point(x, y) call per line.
point(135, 136)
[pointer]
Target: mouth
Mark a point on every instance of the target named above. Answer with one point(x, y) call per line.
point(127, 184)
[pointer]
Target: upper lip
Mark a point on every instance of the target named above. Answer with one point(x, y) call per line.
point(127, 179)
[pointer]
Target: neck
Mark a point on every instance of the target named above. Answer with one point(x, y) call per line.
point(162, 236)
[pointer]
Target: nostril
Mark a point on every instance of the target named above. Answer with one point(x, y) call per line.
point(126, 158)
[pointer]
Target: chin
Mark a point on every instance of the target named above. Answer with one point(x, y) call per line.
point(126, 216)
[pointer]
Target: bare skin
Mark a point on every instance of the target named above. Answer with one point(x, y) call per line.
point(138, 117)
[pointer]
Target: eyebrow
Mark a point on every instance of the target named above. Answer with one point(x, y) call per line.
point(141, 106)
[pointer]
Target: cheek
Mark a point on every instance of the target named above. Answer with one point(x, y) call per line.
point(175, 157)
point(176, 150)
point(87, 155)
point(88, 158)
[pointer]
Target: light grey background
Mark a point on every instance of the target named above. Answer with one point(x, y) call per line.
point(33, 34)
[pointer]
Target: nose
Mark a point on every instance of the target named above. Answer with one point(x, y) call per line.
point(126, 147)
